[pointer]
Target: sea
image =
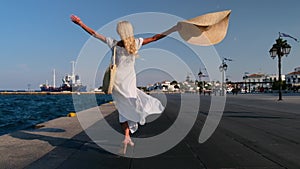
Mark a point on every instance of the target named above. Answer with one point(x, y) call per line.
point(23, 111)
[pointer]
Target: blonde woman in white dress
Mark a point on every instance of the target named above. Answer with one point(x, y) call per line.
point(132, 104)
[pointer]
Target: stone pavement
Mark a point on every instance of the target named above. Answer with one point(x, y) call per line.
point(255, 132)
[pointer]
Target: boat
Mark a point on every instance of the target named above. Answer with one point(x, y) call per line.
point(70, 83)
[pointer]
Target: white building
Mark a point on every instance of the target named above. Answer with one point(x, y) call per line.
point(293, 78)
point(260, 81)
point(165, 86)
point(257, 77)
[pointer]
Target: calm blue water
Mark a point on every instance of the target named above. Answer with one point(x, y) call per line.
point(24, 111)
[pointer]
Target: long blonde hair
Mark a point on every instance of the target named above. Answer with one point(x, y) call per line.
point(125, 30)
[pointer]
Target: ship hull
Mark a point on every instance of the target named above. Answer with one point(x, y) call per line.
point(63, 89)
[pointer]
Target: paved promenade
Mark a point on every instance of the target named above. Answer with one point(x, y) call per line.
point(256, 132)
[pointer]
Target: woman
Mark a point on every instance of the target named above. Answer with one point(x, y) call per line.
point(133, 105)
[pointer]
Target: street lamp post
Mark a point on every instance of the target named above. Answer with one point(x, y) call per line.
point(223, 67)
point(279, 49)
point(245, 77)
point(200, 74)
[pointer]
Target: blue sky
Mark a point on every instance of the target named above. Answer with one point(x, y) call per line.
point(37, 36)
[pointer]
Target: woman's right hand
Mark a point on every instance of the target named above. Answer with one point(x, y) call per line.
point(76, 19)
point(89, 30)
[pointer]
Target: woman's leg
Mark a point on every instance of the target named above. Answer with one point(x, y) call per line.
point(126, 129)
point(127, 139)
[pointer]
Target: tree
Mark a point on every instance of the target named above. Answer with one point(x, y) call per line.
point(275, 85)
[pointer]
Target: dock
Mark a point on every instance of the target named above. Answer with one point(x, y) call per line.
point(255, 132)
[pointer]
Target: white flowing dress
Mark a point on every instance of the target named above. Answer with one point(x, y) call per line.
point(132, 104)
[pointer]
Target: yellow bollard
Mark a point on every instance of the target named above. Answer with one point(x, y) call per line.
point(71, 114)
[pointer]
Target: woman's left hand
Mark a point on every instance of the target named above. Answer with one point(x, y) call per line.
point(178, 26)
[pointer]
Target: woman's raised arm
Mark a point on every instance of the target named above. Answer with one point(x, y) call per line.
point(162, 35)
point(89, 30)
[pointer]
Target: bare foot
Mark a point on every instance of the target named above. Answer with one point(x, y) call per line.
point(126, 141)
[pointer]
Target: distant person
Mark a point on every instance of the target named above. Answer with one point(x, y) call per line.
point(235, 91)
point(133, 105)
